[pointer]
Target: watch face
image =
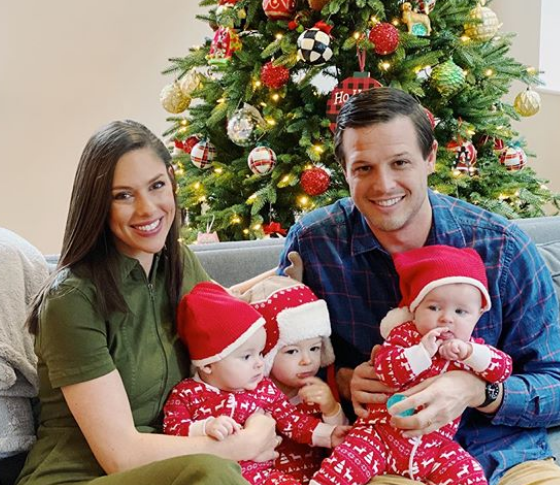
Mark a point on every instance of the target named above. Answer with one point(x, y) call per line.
point(492, 391)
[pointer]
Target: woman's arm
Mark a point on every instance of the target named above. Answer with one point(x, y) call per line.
point(102, 411)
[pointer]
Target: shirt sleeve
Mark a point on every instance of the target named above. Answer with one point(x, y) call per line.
point(489, 363)
point(531, 336)
point(177, 419)
point(72, 339)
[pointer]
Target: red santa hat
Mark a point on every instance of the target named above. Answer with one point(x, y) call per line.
point(292, 313)
point(212, 323)
point(424, 269)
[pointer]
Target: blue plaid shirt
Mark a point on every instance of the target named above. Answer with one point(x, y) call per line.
point(345, 264)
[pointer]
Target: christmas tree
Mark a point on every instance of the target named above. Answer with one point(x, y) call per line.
point(254, 107)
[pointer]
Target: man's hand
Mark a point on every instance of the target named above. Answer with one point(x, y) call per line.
point(316, 391)
point(438, 401)
point(362, 387)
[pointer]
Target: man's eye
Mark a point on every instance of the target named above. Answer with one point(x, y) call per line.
point(400, 163)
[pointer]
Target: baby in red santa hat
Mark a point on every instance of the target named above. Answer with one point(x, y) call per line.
point(444, 292)
point(298, 328)
point(225, 338)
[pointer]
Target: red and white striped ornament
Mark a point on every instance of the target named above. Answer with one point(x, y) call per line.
point(514, 158)
point(203, 154)
point(262, 160)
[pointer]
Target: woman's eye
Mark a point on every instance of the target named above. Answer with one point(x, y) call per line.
point(159, 184)
point(122, 196)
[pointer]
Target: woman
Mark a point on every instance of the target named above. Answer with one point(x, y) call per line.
point(104, 326)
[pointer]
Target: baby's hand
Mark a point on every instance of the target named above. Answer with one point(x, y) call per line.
point(431, 340)
point(221, 427)
point(316, 391)
point(455, 349)
point(339, 434)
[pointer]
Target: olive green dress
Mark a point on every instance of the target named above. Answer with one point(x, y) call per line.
point(75, 344)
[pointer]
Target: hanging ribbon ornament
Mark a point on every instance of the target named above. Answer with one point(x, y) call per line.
point(358, 82)
point(274, 228)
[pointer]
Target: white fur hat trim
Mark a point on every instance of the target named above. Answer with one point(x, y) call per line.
point(394, 318)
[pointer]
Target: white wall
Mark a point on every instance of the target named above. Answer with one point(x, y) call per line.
point(541, 131)
point(67, 67)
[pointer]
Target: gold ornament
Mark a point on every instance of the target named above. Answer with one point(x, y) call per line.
point(417, 23)
point(173, 99)
point(189, 82)
point(487, 27)
point(527, 103)
point(317, 5)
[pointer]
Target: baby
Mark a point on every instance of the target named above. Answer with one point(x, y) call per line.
point(297, 346)
point(444, 293)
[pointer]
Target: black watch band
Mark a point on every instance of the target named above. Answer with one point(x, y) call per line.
point(492, 392)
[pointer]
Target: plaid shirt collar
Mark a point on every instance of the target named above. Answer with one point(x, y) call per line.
point(363, 240)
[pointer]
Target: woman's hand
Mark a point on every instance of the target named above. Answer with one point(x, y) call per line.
point(438, 401)
point(317, 391)
point(260, 440)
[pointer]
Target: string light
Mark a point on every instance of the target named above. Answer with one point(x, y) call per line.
point(263, 104)
point(279, 36)
point(252, 197)
point(245, 231)
point(531, 70)
point(374, 20)
point(235, 220)
point(271, 121)
point(456, 173)
point(395, 21)
point(488, 72)
point(465, 38)
point(356, 35)
point(218, 170)
point(385, 65)
point(303, 200)
point(257, 227)
point(202, 198)
point(221, 100)
point(184, 122)
point(196, 185)
point(286, 178)
point(275, 97)
point(318, 148)
point(179, 171)
point(257, 84)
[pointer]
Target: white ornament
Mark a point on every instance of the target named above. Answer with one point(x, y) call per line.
point(262, 160)
point(203, 154)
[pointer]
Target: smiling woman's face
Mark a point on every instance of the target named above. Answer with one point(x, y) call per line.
point(142, 207)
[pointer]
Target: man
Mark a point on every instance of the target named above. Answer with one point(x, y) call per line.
point(386, 147)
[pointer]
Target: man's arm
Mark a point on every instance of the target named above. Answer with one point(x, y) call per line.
point(531, 336)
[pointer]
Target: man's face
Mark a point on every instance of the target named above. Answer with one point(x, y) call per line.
point(388, 176)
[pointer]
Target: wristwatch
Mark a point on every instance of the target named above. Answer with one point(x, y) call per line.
point(492, 392)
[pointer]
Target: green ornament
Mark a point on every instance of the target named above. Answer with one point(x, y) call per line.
point(448, 78)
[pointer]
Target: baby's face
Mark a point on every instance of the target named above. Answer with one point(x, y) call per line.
point(294, 363)
point(457, 307)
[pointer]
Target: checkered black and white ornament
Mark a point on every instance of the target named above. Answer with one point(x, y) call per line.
point(314, 47)
point(203, 154)
point(262, 160)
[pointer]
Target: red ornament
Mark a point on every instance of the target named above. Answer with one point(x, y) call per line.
point(224, 44)
point(279, 9)
point(274, 77)
point(513, 158)
point(498, 144)
point(385, 38)
point(430, 117)
point(465, 155)
point(274, 228)
point(315, 181)
point(360, 81)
